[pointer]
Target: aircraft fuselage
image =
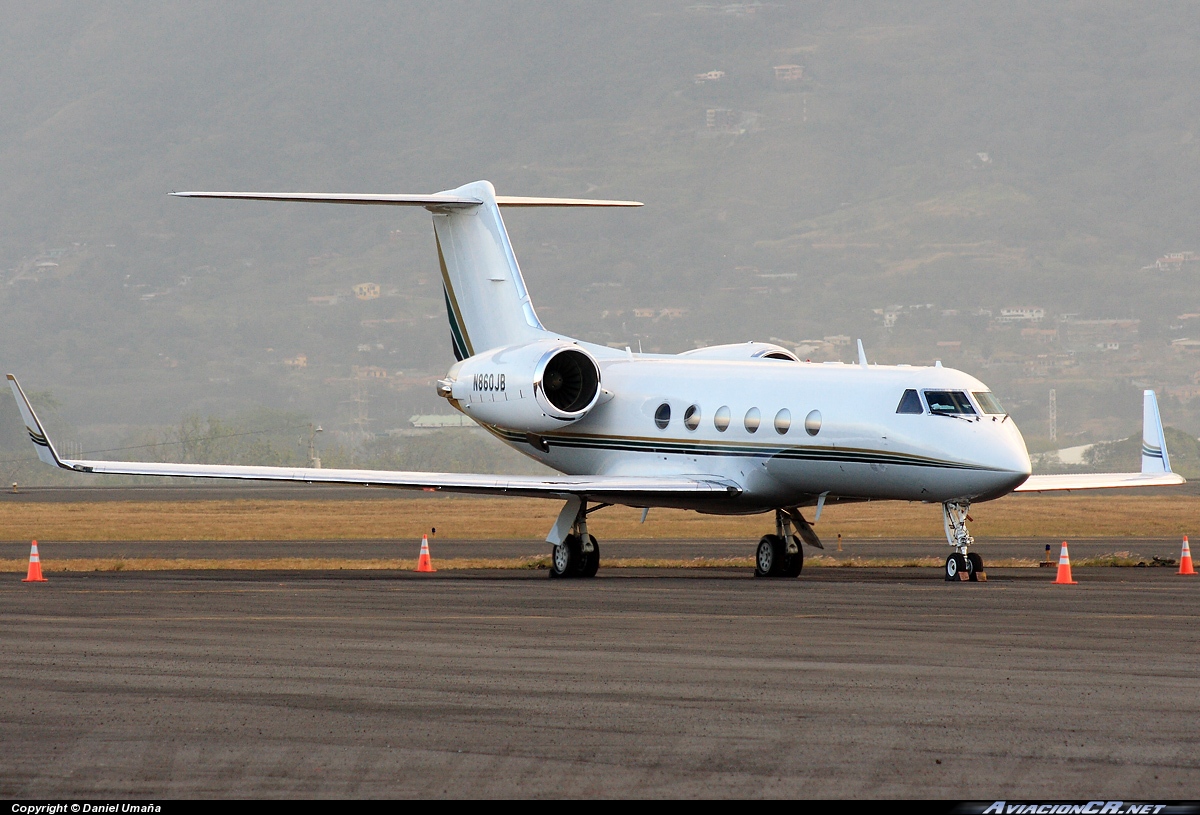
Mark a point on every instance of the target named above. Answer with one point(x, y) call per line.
point(787, 431)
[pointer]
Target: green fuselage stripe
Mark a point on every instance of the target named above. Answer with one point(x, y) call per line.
point(733, 449)
point(457, 326)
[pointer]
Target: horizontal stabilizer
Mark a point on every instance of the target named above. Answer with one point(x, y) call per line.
point(436, 201)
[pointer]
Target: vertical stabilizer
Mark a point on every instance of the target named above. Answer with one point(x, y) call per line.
point(486, 299)
point(1154, 442)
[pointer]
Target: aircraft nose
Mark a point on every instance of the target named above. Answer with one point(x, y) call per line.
point(1011, 456)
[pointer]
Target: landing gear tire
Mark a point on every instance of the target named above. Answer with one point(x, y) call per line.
point(569, 560)
point(974, 566)
point(955, 564)
point(770, 557)
point(566, 557)
point(794, 563)
point(591, 560)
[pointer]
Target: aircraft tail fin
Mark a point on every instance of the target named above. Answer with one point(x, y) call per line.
point(1154, 443)
point(486, 299)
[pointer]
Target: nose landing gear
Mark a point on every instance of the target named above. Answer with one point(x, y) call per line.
point(961, 565)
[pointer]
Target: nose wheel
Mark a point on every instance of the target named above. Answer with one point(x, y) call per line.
point(962, 565)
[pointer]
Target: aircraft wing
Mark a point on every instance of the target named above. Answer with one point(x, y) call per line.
point(1098, 481)
point(1156, 463)
point(636, 490)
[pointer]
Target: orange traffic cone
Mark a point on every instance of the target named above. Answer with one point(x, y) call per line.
point(423, 563)
point(35, 566)
point(1185, 559)
point(1064, 567)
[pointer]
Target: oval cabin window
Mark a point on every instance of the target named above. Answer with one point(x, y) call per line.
point(812, 423)
point(662, 416)
point(753, 420)
point(783, 421)
point(721, 418)
point(691, 417)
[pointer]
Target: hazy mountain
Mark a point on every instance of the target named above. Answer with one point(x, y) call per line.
point(969, 156)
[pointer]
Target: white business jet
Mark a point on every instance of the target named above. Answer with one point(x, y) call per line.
point(727, 430)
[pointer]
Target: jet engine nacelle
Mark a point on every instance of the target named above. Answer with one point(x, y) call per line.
point(535, 387)
point(742, 350)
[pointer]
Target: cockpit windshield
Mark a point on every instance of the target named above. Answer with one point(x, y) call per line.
point(988, 402)
point(949, 403)
point(910, 403)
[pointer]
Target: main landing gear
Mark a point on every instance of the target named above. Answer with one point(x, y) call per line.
point(579, 553)
point(572, 559)
point(780, 555)
point(961, 565)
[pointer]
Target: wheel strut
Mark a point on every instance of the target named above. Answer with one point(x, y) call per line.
point(961, 564)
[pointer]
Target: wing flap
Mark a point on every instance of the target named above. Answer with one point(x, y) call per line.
point(533, 486)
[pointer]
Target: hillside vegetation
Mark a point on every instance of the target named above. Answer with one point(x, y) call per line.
point(962, 155)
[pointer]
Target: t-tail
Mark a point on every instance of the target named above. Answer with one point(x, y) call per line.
point(486, 299)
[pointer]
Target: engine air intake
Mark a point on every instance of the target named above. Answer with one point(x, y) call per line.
point(570, 381)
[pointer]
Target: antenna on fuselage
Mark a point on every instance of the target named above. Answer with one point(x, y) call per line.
point(862, 355)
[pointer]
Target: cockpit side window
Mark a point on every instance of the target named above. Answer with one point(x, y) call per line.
point(988, 402)
point(949, 403)
point(910, 403)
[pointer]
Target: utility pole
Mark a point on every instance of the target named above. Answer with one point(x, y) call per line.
point(1053, 416)
point(314, 461)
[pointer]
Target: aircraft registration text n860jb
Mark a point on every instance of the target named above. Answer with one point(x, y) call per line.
point(730, 429)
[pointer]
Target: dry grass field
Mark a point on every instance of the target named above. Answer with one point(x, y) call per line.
point(458, 517)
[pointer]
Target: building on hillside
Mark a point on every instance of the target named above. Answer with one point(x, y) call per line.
point(369, 372)
point(1018, 315)
point(789, 73)
point(709, 76)
point(1092, 332)
point(1173, 261)
point(297, 362)
point(366, 291)
point(720, 119)
point(1044, 336)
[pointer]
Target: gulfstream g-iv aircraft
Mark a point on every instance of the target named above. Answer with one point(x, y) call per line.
point(727, 430)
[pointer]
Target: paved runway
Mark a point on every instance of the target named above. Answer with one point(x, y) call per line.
point(352, 550)
point(844, 683)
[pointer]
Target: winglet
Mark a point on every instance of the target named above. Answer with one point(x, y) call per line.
point(37, 435)
point(862, 355)
point(1154, 442)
